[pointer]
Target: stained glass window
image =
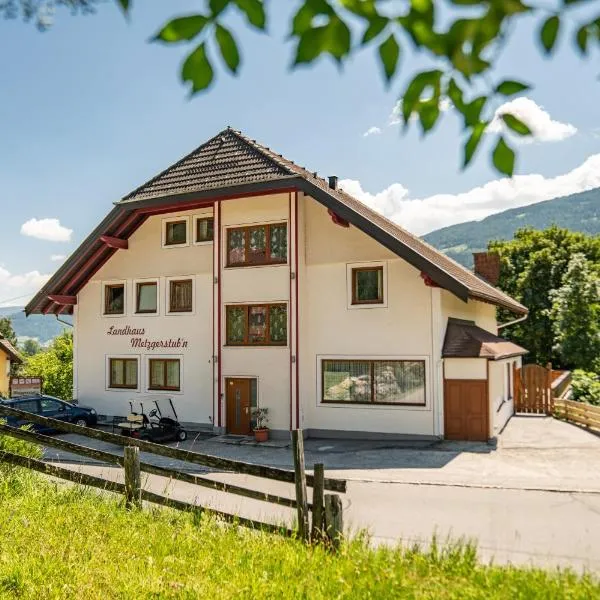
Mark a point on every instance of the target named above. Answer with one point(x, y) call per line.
point(278, 324)
point(279, 243)
point(236, 324)
point(257, 325)
point(257, 245)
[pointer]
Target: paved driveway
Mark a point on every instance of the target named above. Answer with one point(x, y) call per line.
point(534, 498)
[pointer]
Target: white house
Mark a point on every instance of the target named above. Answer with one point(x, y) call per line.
point(236, 279)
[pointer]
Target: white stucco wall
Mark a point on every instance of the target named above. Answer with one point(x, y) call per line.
point(465, 368)
point(501, 393)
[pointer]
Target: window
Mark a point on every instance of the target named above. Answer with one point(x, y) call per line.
point(146, 297)
point(114, 299)
point(27, 405)
point(257, 325)
point(399, 382)
point(205, 229)
point(123, 373)
point(367, 285)
point(180, 296)
point(50, 405)
point(176, 232)
point(257, 245)
point(164, 374)
point(509, 391)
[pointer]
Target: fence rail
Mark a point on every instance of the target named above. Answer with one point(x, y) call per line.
point(579, 413)
point(561, 380)
point(324, 526)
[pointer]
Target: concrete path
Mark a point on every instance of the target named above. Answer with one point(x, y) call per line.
point(533, 499)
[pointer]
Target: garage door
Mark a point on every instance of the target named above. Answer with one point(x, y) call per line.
point(466, 410)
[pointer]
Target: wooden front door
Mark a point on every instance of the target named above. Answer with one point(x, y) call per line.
point(238, 406)
point(466, 410)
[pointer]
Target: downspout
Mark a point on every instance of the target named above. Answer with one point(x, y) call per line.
point(502, 325)
point(297, 310)
point(291, 328)
point(219, 354)
point(63, 322)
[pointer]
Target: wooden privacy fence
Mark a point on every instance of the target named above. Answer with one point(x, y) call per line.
point(533, 389)
point(579, 413)
point(326, 508)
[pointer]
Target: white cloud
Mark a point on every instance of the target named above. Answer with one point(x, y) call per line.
point(395, 117)
point(16, 290)
point(57, 257)
point(46, 229)
point(543, 127)
point(421, 215)
point(372, 131)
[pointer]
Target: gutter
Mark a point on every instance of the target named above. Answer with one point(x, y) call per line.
point(513, 322)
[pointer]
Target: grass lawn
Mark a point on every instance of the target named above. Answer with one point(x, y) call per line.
point(61, 541)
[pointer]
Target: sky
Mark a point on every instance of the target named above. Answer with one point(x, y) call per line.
point(90, 109)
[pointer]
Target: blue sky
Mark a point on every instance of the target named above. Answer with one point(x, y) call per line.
point(89, 110)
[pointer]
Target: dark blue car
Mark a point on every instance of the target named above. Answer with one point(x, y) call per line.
point(48, 406)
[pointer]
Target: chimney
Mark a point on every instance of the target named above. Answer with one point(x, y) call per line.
point(487, 265)
point(333, 182)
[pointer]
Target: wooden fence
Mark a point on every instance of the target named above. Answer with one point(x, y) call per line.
point(326, 509)
point(561, 381)
point(579, 413)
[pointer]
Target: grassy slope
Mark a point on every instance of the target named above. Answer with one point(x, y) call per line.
point(578, 212)
point(66, 542)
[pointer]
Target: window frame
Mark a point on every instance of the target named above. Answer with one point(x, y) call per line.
point(137, 284)
point(247, 228)
point(124, 359)
point(266, 343)
point(350, 284)
point(355, 271)
point(111, 285)
point(165, 387)
point(180, 279)
point(349, 404)
point(166, 222)
point(197, 220)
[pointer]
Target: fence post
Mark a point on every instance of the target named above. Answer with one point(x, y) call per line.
point(133, 479)
point(334, 519)
point(549, 394)
point(318, 503)
point(300, 477)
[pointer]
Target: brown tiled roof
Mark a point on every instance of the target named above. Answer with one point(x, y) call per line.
point(464, 339)
point(10, 350)
point(231, 164)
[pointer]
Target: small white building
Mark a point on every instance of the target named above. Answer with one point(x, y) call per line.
point(236, 279)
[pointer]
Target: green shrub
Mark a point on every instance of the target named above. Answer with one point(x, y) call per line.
point(586, 387)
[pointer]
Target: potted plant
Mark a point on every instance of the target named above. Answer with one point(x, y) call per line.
point(261, 418)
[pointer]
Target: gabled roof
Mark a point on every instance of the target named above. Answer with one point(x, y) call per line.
point(10, 350)
point(464, 339)
point(229, 165)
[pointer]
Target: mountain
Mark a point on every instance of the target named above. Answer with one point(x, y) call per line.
point(42, 327)
point(578, 212)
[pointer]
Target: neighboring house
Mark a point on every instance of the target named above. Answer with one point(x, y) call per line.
point(236, 279)
point(8, 356)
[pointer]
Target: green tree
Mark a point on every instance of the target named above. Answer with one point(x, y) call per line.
point(533, 264)
point(55, 365)
point(30, 347)
point(575, 316)
point(460, 41)
point(7, 331)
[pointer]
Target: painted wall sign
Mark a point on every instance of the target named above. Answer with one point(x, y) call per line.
point(141, 341)
point(25, 386)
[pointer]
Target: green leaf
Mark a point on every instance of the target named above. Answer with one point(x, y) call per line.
point(510, 88)
point(504, 157)
point(415, 88)
point(218, 6)
point(472, 111)
point(333, 38)
point(125, 5)
point(303, 19)
point(181, 29)
point(473, 141)
point(455, 94)
point(376, 26)
point(197, 69)
point(516, 124)
point(389, 52)
point(582, 39)
point(429, 112)
point(549, 33)
point(228, 47)
point(254, 11)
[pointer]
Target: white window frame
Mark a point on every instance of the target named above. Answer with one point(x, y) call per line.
point(134, 311)
point(361, 265)
point(195, 220)
point(148, 358)
point(107, 359)
point(103, 287)
point(427, 407)
point(167, 220)
point(167, 295)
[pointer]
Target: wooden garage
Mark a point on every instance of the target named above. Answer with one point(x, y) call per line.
point(478, 384)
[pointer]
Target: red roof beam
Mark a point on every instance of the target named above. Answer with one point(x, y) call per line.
point(63, 300)
point(115, 242)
